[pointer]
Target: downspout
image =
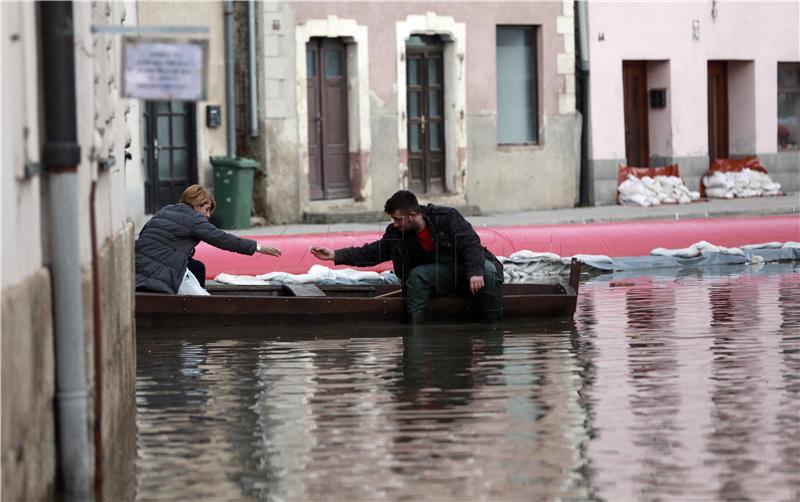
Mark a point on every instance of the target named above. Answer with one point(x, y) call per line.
point(61, 155)
point(98, 349)
point(585, 198)
point(251, 21)
point(230, 90)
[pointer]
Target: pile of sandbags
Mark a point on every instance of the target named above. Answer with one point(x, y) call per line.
point(744, 183)
point(697, 249)
point(653, 191)
point(526, 266)
point(317, 274)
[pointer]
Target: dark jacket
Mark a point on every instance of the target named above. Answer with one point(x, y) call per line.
point(167, 241)
point(453, 237)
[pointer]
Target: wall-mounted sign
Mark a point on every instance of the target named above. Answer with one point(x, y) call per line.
point(164, 70)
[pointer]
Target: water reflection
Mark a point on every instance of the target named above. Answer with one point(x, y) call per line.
point(663, 388)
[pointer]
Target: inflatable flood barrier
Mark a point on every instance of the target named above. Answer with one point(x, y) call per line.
point(616, 239)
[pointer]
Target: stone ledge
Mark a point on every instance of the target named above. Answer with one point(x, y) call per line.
point(368, 216)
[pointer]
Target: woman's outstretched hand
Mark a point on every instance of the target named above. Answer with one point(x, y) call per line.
point(269, 250)
point(322, 253)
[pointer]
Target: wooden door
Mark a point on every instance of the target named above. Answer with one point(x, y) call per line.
point(637, 134)
point(425, 112)
point(170, 153)
point(717, 110)
point(328, 157)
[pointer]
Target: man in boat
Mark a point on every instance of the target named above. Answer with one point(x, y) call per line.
point(435, 251)
point(165, 247)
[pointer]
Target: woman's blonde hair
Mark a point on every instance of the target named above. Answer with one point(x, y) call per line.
point(195, 195)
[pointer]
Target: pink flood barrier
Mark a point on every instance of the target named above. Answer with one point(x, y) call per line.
point(629, 238)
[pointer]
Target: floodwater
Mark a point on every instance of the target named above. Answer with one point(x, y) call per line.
point(673, 387)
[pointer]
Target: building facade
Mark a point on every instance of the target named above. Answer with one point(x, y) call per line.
point(463, 103)
point(468, 104)
point(35, 202)
point(690, 82)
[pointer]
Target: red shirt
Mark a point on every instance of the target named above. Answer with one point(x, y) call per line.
point(425, 240)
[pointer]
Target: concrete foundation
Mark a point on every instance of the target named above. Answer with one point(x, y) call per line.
point(784, 167)
point(119, 364)
point(29, 456)
point(28, 384)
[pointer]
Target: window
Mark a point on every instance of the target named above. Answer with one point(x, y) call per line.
point(788, 106)
point(516, 85)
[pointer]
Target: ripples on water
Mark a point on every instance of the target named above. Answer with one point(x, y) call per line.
point(675, 387)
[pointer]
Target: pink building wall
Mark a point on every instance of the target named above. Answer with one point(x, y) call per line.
point(763, 33)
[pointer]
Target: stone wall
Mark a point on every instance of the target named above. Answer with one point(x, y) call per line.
point(29, 455)
point(28, 386)
point(119, 364)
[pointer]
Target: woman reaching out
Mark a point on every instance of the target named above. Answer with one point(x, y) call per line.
point(166, 244)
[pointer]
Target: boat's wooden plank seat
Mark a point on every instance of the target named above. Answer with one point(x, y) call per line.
point(303, 290)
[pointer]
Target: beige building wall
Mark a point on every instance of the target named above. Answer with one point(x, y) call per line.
point(204, 14)
point(480, 172)
point(105, 123)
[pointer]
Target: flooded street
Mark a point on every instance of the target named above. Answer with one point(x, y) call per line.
point(676, 387)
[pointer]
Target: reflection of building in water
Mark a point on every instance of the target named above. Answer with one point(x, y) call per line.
point(789, 341)
point(448, 415)
point(185, 387)
point(655, 399)
point(739, 402)
point(519, 428)
point(638, 408)
point(323, 430)
point(650, 306)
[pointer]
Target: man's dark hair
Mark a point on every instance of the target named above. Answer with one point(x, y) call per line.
point(404, 200)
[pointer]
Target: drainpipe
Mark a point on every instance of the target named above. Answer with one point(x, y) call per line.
point(251, 20)
point(61, 155)
point(585, 198)
point(230, 90)
point(98, 348)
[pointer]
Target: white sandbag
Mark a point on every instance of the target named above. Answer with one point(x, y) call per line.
point(762, 245)
point(191, 286)
point(697, 249)
point(240, 280)
point(525, 255)
point(595, 258)
point(719, 193)
point(649, 191)
point(744, 183)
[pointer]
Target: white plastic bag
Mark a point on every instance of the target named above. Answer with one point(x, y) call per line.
point(191, 286)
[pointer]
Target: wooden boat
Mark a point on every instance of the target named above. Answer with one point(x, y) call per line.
point(305, 303)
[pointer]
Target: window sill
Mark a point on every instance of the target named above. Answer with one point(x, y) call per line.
point(520, 147)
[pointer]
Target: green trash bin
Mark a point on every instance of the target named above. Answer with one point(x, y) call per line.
point(233, 190)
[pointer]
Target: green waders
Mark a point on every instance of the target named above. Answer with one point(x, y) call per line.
point(446, 279)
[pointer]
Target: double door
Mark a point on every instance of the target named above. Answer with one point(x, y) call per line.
point(425, 98)
point(169, 151)
point(328, 157)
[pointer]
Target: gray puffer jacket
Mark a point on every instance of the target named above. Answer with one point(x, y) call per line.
point(167, 241)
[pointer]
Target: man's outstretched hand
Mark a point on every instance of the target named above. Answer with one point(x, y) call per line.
point(476, 284)
point(268, 250)
point(322, 253)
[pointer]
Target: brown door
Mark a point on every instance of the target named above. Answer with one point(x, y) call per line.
point(328, 158)
point(717, 110)
point(425, 98)
point(170, 154)
point(634, 88)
